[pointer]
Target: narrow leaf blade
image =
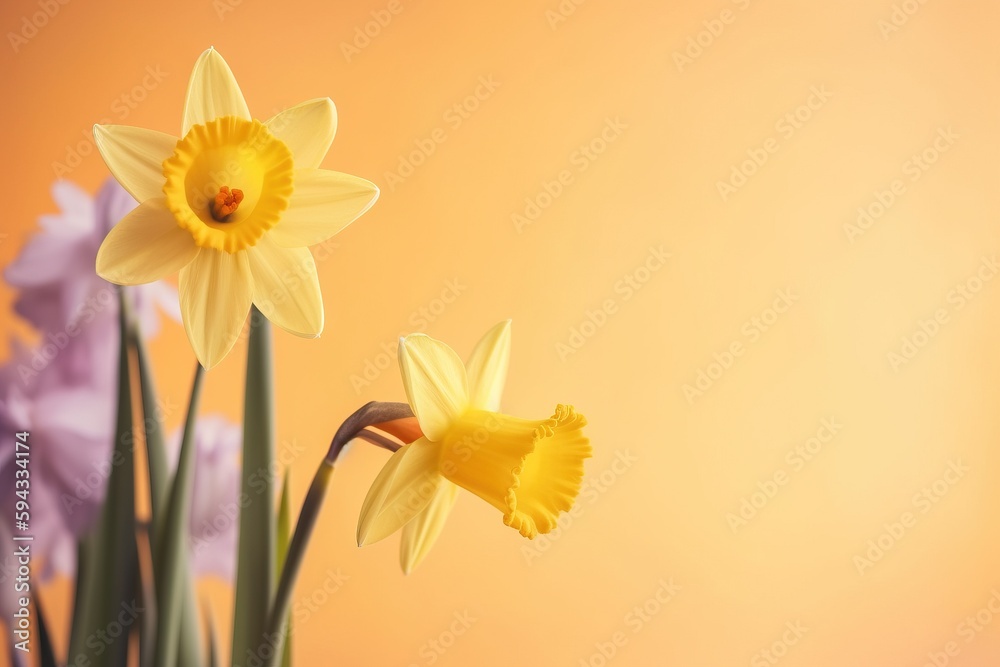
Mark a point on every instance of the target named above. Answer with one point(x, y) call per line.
point(256, 553)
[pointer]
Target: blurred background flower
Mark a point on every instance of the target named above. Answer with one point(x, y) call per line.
point(72, 427)
point(215, 510)
point(56, 271)
point(63, 388)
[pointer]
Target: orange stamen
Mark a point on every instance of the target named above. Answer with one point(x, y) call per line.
point(225, 203)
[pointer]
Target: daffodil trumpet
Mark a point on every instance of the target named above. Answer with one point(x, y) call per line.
point(530, 470)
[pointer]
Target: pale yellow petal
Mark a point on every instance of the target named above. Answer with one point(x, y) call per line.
point(216, 290)
point(420, 534)
point(322, 204)
point(435, 383)
point(146, 245)
point(286, 287)
point(307, 129)
point(135, 157)
point(212, 92)
point(403, 488)
point(487, 368)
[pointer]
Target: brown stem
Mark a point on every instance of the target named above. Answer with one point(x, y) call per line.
point(374, 412)
point(378, 439)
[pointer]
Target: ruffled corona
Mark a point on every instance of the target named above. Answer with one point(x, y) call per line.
point(530, 470)
point(224, 154)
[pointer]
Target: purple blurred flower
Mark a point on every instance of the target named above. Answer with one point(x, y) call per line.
point(71, 427)
point(63, 390)
point(215, 512)
point(56, 274)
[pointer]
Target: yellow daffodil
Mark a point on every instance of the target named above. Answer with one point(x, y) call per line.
point(529, 470)
point(233, 206)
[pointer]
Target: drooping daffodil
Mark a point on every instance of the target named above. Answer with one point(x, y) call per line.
point(232, 205)
point(530, 470)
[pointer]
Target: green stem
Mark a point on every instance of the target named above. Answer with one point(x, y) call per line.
point(275, 635)
point(353, 427)
point(369, 414)
point(284, 536)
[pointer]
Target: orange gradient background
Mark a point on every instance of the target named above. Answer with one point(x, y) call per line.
point(681, 130)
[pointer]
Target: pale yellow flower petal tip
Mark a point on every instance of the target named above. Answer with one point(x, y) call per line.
point(232, 206)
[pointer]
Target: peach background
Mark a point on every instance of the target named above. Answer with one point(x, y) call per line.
point(665, 516)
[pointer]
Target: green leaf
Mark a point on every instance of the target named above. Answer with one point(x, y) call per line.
point(110, 566)
point(85, 573)
point(147, 627)
point(172, 581)
point(284, 532)
point(284, 537)
point(159, 469)
point(47, 657)
point(213, 642)
point(256, 553)
point(160, 483)
point(189, 642)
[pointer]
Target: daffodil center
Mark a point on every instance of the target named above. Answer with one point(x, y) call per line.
point(226, 203)
point(207, 162)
